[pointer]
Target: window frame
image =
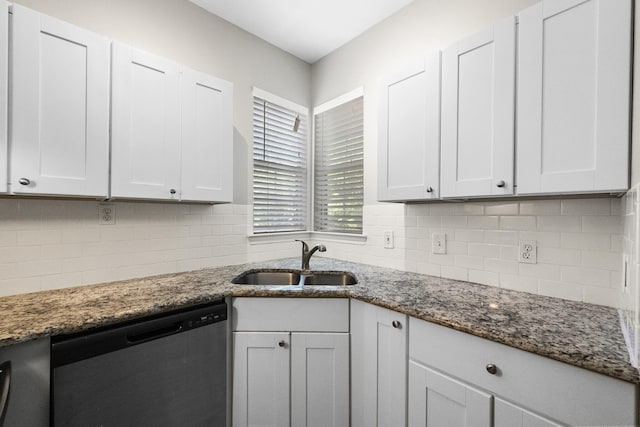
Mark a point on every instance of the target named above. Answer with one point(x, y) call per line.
point(319, 109)
point(309, 234)
point(302, 110)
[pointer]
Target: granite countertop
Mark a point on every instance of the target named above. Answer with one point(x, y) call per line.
point(584, 335)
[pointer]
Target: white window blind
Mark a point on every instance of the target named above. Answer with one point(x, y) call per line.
point(279, 168)
point(338, 177)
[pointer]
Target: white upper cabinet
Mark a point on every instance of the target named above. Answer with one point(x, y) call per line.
point(145, 144)
point(4, 69)
point(172, 130)
point(478, 110)
point(409, 132)
point(59, 108)
point(573, 96)
point(207, 138)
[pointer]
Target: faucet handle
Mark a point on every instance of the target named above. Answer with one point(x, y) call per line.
point(322, 248)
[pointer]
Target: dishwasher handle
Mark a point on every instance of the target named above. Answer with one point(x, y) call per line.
point(5, 388)
point(138, 337)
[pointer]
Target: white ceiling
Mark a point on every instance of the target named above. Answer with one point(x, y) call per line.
point(308, 29)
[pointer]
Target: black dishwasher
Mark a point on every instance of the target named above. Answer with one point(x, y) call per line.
point(164, 371)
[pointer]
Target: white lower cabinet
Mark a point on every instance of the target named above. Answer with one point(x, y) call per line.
point(457, 379)
point(378, 366)
point(297, 373)
point(437, 400)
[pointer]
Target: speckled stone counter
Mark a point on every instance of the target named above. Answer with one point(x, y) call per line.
point(584, 335)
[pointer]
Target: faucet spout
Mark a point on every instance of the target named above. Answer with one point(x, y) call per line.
point(307, 254)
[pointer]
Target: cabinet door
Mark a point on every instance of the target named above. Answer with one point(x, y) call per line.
point(261, 379)
point(573, 96)
point(378, 366)
point(319, 380)
point(436, 400)
point(478, 90)
point(409, 133)
point(207, 138)
point(60, 107)
point(145, 146)
point(4, 97)
point(509, 415)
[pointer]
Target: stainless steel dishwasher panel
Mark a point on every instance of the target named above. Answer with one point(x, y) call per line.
point(177, 380)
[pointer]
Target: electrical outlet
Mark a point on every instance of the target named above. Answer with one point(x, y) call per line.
point(439, 243)
point(528, 252)
point(106, 214)
point(388, 239)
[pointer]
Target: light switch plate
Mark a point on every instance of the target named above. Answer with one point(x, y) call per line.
point(439, 243)
point(388, 239)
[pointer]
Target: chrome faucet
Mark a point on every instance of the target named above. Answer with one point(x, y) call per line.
point(306, 253)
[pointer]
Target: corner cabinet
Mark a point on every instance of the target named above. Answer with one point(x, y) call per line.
point(478, 111)
point(574, 76)
point(172, 130)
point(54, 150)
point(409, 132)
point(378, 366)
point(463, 380)
point(290, 362)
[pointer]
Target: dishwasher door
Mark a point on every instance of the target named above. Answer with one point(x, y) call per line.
point(178, 379)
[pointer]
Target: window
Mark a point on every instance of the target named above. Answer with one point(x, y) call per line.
point(338, 175)
point(279, 167)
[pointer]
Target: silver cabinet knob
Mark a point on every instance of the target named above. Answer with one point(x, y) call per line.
point(492, 369)
point(501, 184)
point(172, 191)
point(429, 189)
point(396, 324)
point(281, 343)
point(24, 181)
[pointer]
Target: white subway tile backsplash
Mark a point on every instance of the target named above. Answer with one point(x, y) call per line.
point(455, 273)
point(466, 261)
point(603, 260)
point(484, 250)
point(602, 224)
point(560, 223)
point(501, 266)
point(560, 290)
point(500, 208)
point(587, 276)
point(484, 277)
point(586, 241)
point(501, 237)
point(540, 271)
point(540, 207)
point(488, 222)
point(557, 256)
point(519, 283)
point(524, 223)
point(46, 244)
point(583, 207)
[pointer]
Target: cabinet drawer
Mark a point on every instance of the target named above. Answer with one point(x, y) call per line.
point(560, 391)
point(291, 314)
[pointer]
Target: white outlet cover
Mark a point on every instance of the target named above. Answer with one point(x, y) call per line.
point(106, 214)
point(528, 252)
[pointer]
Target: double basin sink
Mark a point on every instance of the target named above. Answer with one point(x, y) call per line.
point(286, 277)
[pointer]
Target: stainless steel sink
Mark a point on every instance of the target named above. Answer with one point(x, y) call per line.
point(330, 278)
point(271, 277)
